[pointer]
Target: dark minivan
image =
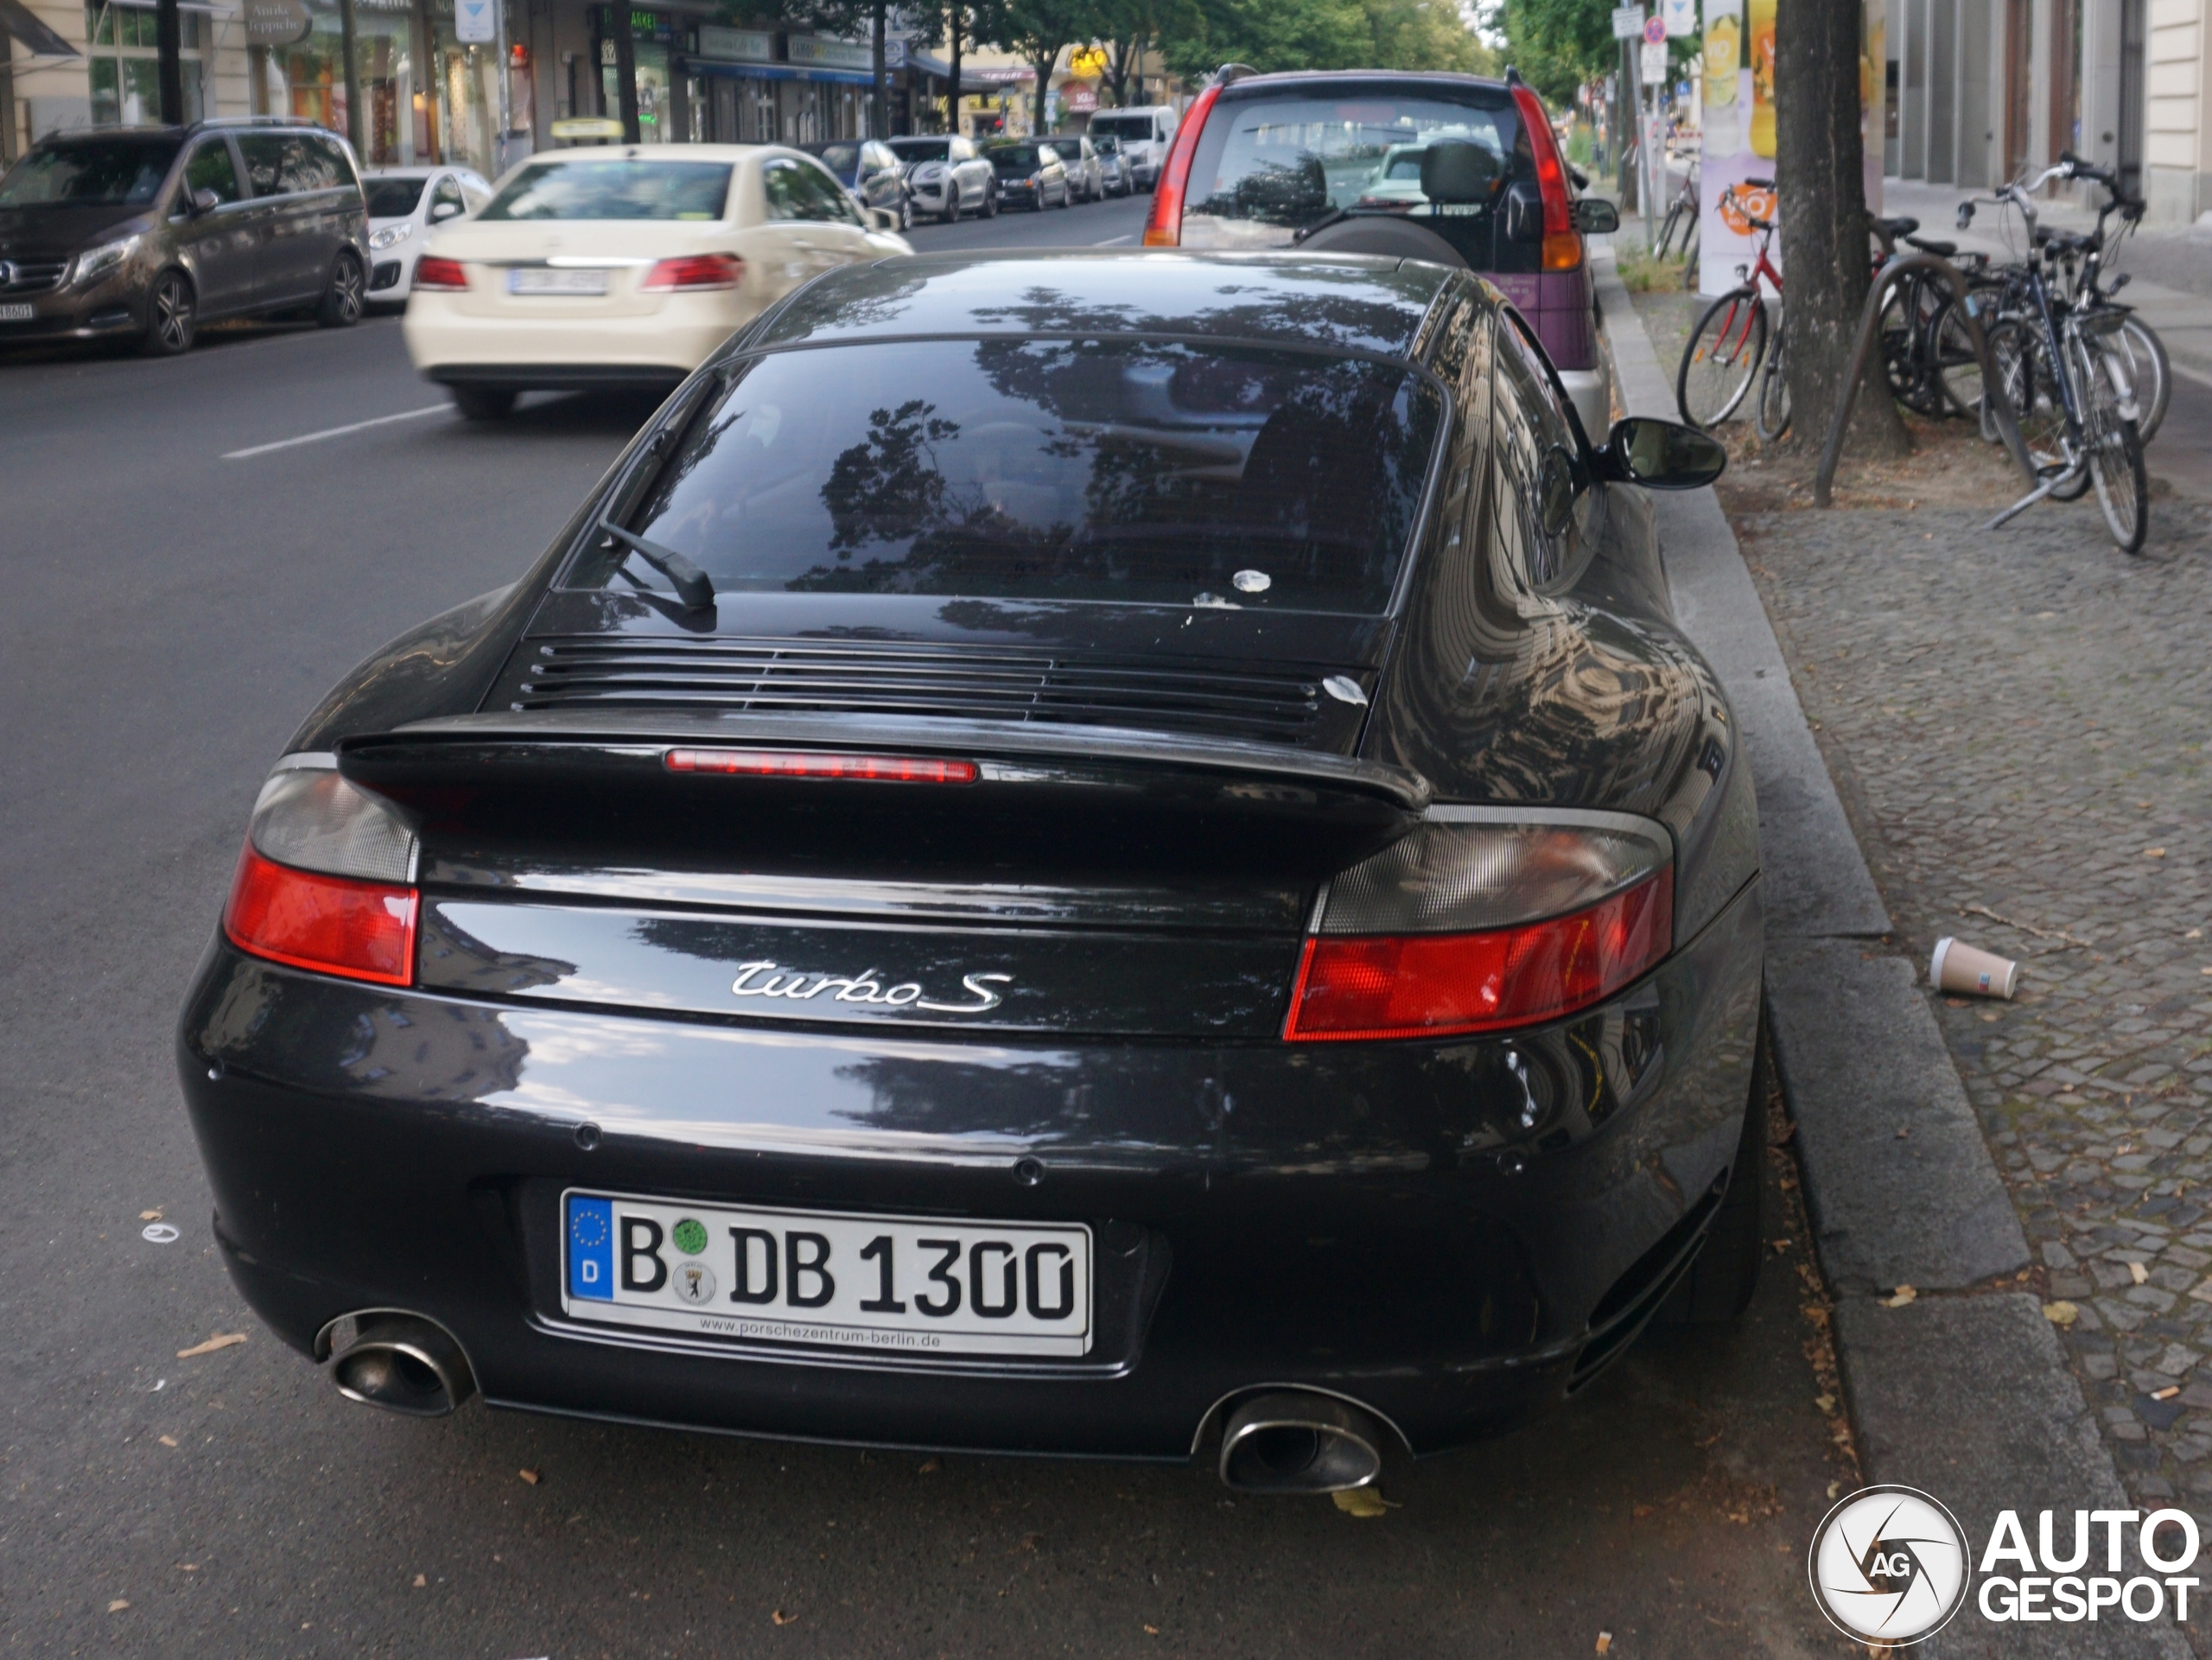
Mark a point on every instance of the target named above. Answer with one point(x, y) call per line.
point(143, 233)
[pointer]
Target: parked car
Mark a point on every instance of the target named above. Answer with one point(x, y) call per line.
point(1144, 134)
point(1086, 179)
point(873, 172)
point(598, 267)
point(1029, 174)
point(1113, 167)
point(1262, 160)
point(947, 176)
point(405, 204)
point(139, 234)
point(973, 898)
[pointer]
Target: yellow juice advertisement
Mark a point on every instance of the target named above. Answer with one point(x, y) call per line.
point(1761, 28)
point(1723, 55)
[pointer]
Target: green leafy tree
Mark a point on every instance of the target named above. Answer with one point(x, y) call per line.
point(1273, 34)
point(1037, 31)
point(1557, 45)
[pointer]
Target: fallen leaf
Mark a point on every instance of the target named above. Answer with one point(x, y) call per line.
point(2167, 1393)
point(2138, 1272)
point(930, 1467)
point(1905, 1294)
point(2061, 1314)
point(1152, 1630)
point(168, 1440)
point(2154, 853)
point(189, 1568)
point(421, 1581)
point(2194, 933)
point(223, 1340)
point(150, 1216)
point(118, 1604)
point(1362, 1501)
point(1604, 1642)
point(1639, 1511)
point(530, 1476)
point(780, 1617)
point(1834, 1487)
point(1826, 1403)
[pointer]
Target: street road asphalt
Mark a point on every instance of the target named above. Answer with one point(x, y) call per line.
point(172, 613)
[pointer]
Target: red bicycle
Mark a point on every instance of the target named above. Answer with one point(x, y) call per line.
point(1728, 350)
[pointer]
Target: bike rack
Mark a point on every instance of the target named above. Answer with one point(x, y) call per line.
point(1993, 397)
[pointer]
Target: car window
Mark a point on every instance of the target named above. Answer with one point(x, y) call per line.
point(831, 200)
point(283, 164)
point(800, 190)
point(1016, 158)
point(616, 188)
point(962, 151)
point(1539, 495)
point(392, 198)
point(1130, 128)
point(103, 172)
point(1266, 166)
point(1133, 471)
point(927, 150)
point(448, 192)
point(211, 168)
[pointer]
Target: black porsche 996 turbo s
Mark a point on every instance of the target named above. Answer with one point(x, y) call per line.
point(1102, 854)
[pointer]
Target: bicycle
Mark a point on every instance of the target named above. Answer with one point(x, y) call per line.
point(2075, 406)
point(1681, 215)
point(1728, 350)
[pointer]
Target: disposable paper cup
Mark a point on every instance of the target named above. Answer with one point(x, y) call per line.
point(1961, 968)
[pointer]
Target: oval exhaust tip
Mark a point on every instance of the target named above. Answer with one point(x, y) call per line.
point(403, 1363)
point(1289, 1442)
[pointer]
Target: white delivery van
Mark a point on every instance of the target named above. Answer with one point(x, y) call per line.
point(1145, 133)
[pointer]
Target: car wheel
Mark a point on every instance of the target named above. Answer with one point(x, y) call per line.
point(172, 316)
point(905, 214)
point(483, 403)
point(991, 202)
point(343, 300)
point(1718, 1287)
point(952, 214)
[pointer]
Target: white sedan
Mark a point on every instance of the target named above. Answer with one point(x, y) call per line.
point(405, 205)
point(623, 266)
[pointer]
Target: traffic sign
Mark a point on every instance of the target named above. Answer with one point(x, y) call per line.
point(1681, 16)
point(1655, 30)
point(1628, 23)
point(473, 22)
point(1652, 71)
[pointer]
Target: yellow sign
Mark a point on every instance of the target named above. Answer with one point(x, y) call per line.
point(1087, 62)
point(585, 128)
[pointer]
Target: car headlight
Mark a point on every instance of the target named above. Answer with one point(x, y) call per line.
point(928, 175)
point(391, 234)
point(96, 262)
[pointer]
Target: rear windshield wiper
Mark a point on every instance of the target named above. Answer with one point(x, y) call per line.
point(691, 584)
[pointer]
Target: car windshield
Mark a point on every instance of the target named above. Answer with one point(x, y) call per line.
point(1137, 471)
point(1135, 127)
point(614, 189)
point(1070, 149)
point(1016, 158)
point(1107, 145)
point(393, 197)
point(105, 172)
point(922, 149)
point(1267, 166)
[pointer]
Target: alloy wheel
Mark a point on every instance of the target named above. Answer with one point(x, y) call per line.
point(170, 319)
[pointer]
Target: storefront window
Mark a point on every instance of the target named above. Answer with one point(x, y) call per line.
point(122, 64)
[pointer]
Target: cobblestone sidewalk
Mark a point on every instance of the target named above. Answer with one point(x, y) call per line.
point(2017, 723)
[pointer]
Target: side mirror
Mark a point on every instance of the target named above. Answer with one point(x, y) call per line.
point(1525, 213)
point(442, 210)
point(1661, 455)
point(1457, 171)
point(204, 201)
point(1595, 216)
point(882, 218)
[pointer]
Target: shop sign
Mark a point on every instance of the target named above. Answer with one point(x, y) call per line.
point(744, 45)
point(276, 23)
point(474, 24)
point(1079, 97)
point(894, 52)
point(830, 54)
point(1087, 62)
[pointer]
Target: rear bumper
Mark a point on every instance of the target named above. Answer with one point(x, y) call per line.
point(452, 346)
point(1354, 1221)
point(559, 376)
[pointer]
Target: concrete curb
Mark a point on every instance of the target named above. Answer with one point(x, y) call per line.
point(1968, 1397)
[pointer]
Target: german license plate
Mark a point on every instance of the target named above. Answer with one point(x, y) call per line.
point(534, 280)
point(886, 1285)
point(17, 314)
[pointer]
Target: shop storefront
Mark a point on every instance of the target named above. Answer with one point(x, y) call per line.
point(122, 67)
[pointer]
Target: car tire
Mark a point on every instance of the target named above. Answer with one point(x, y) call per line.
point(346, 297)
point(952, 213)
point(991, 209)
point(483, 403)
point(1718, 1287)
point(172, 316)
point(905, 214)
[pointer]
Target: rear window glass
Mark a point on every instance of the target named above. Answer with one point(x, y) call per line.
point(90, 173)
point(617, 189)
point(1142, 473)
point(839, 158)
point(1135, 128)
point(392, 198)
point(1016, 158)
point(1267, 167)
point(923, 150)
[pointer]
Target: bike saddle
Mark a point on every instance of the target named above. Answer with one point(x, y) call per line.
point(1929, 244)
point(1894, 228)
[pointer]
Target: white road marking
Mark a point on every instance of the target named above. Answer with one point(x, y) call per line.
point(336, 432)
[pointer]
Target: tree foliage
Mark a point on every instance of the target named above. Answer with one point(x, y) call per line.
point(1557, 45)
point(1272, 35)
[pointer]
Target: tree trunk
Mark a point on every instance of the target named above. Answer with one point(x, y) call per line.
point(1826, 258)
point(879, 111)
point(952, 100)
point(626, 72)
point(1043, 68)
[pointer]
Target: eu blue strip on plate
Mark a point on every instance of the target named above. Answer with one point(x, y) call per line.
point(591, 1248)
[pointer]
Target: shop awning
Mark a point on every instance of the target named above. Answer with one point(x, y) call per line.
point(929, 64)
point(17, 19)
point(770, 71)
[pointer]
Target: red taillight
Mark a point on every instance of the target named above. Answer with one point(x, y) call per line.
point(693, 272)
point(1562, 241)
point(1440, 985)
point(441, 276)
point(1163, 229)
point(785, 763)
point(332, 925)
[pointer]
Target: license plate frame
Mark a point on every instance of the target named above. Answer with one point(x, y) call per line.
point(540, 282)
point(1037, 1265)
point(18, 311)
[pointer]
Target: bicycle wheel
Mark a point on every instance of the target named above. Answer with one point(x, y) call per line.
point(1667, 230)
point(2023, 370)
point(1771, 415)
point(2115, 453)
point(1905, 339)
point(2135, 345)
point(1722, 357)
point(1951, 355)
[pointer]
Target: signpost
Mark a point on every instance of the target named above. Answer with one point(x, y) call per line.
point(1628, 25)
point(1653, 74)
